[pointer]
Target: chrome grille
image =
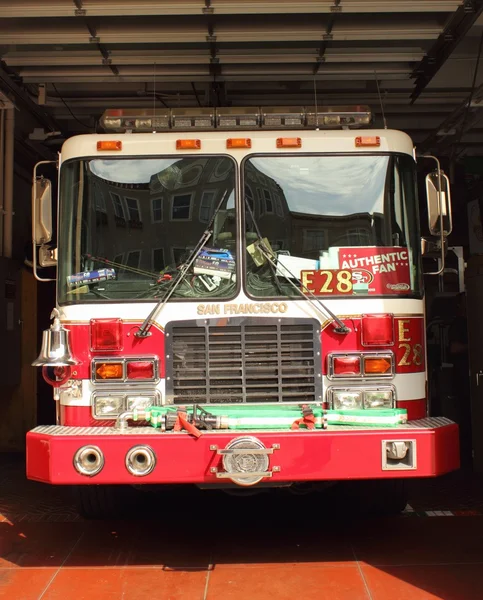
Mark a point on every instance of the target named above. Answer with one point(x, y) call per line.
point(243, 360)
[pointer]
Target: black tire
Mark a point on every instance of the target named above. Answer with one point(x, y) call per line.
point(100, 501)
point(383, 496)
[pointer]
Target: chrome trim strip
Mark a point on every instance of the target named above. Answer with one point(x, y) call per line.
point(62, 430)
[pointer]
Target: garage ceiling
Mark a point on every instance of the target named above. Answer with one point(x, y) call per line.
point(89, 55)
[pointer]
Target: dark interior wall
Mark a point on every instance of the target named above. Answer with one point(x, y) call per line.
point(18, 398)
point(18, 329)
point(22, 220)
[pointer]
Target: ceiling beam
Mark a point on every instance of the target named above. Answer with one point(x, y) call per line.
point(170, 31)
point(107, 8)
point(91, 28)
point(19, 96)
point(136, 57)
point(456, 29)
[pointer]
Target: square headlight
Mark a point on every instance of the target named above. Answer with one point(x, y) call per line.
point(379, 399)
point(108, 406)
point(346, 399)
point(140, 402)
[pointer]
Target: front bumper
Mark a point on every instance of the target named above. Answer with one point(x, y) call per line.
point(333, 454)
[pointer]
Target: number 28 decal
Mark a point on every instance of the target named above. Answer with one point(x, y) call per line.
point(413, 355)
point(329, 281)
point(410, 353)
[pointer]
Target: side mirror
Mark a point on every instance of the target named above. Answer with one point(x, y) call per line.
point(439, 203)
point(42, 229)
point(47, 256)
point(42, 211)
point(431, 248)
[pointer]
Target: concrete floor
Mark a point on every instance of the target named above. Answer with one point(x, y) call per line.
point(197, 545)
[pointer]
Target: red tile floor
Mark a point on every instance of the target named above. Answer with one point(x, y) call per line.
point(204, 545)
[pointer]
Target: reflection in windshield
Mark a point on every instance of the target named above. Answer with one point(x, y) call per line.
point(127, 226)
point(329, 219)
point(329, 185)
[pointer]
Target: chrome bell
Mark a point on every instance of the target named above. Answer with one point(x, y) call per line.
point(55, 350)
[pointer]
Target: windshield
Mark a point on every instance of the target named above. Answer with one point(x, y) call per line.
point(127, 226)
point(332, 225)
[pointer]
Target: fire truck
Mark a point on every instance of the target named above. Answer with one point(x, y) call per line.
point(240, 303)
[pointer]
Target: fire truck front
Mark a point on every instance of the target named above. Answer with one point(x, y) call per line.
point(238, 308)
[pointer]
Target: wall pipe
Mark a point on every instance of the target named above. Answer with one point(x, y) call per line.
point(8, 185)
point(2, 174)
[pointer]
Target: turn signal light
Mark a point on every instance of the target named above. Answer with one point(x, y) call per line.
point(377, 365)
point(377, 330)
point(106, 334)
point(109, 370)
point(346, 366)
point(109, 145)
point(188, 144)
point(140, 369)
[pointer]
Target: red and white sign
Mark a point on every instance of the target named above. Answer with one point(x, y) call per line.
point(380, 270)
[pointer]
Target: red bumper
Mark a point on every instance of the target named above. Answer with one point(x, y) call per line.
point(337, 453)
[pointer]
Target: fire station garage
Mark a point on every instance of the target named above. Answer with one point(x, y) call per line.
point(241, 280)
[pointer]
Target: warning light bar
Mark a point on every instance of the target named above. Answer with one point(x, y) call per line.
point(284, 117)
point(139, 120)
point(281, 117)
point(238, 118)
point(334, 117)
point(192, 118)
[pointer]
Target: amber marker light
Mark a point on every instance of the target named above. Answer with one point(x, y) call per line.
point(368, 140)
point(238, 143)
point(109, 145)
point(289, 142)
point(188, 144)
point(109, 370)
point(377, 365)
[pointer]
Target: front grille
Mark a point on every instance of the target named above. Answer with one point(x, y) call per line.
point(243, 360)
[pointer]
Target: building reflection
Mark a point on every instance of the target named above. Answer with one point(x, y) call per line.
point(148, 226)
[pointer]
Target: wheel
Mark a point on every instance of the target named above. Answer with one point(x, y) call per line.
point(374, 496)
point(382, 496)
point(100, 501)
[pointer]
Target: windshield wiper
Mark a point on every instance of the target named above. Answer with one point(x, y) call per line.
point(143, 331)
point(302, 290)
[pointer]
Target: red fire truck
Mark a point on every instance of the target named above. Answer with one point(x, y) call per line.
point(240, 302)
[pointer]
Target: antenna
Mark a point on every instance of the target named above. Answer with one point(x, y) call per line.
point(316, 109)
point(380, 101)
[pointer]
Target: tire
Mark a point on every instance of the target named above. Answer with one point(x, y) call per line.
point(378, 497)
point(384, 496)
point(100, 501)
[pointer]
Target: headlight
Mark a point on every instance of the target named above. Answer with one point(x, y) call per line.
point(140, 402)
point(364, 397)
point(106, 406)
point(111, 405)
point(378, 399)
point(346, 399)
